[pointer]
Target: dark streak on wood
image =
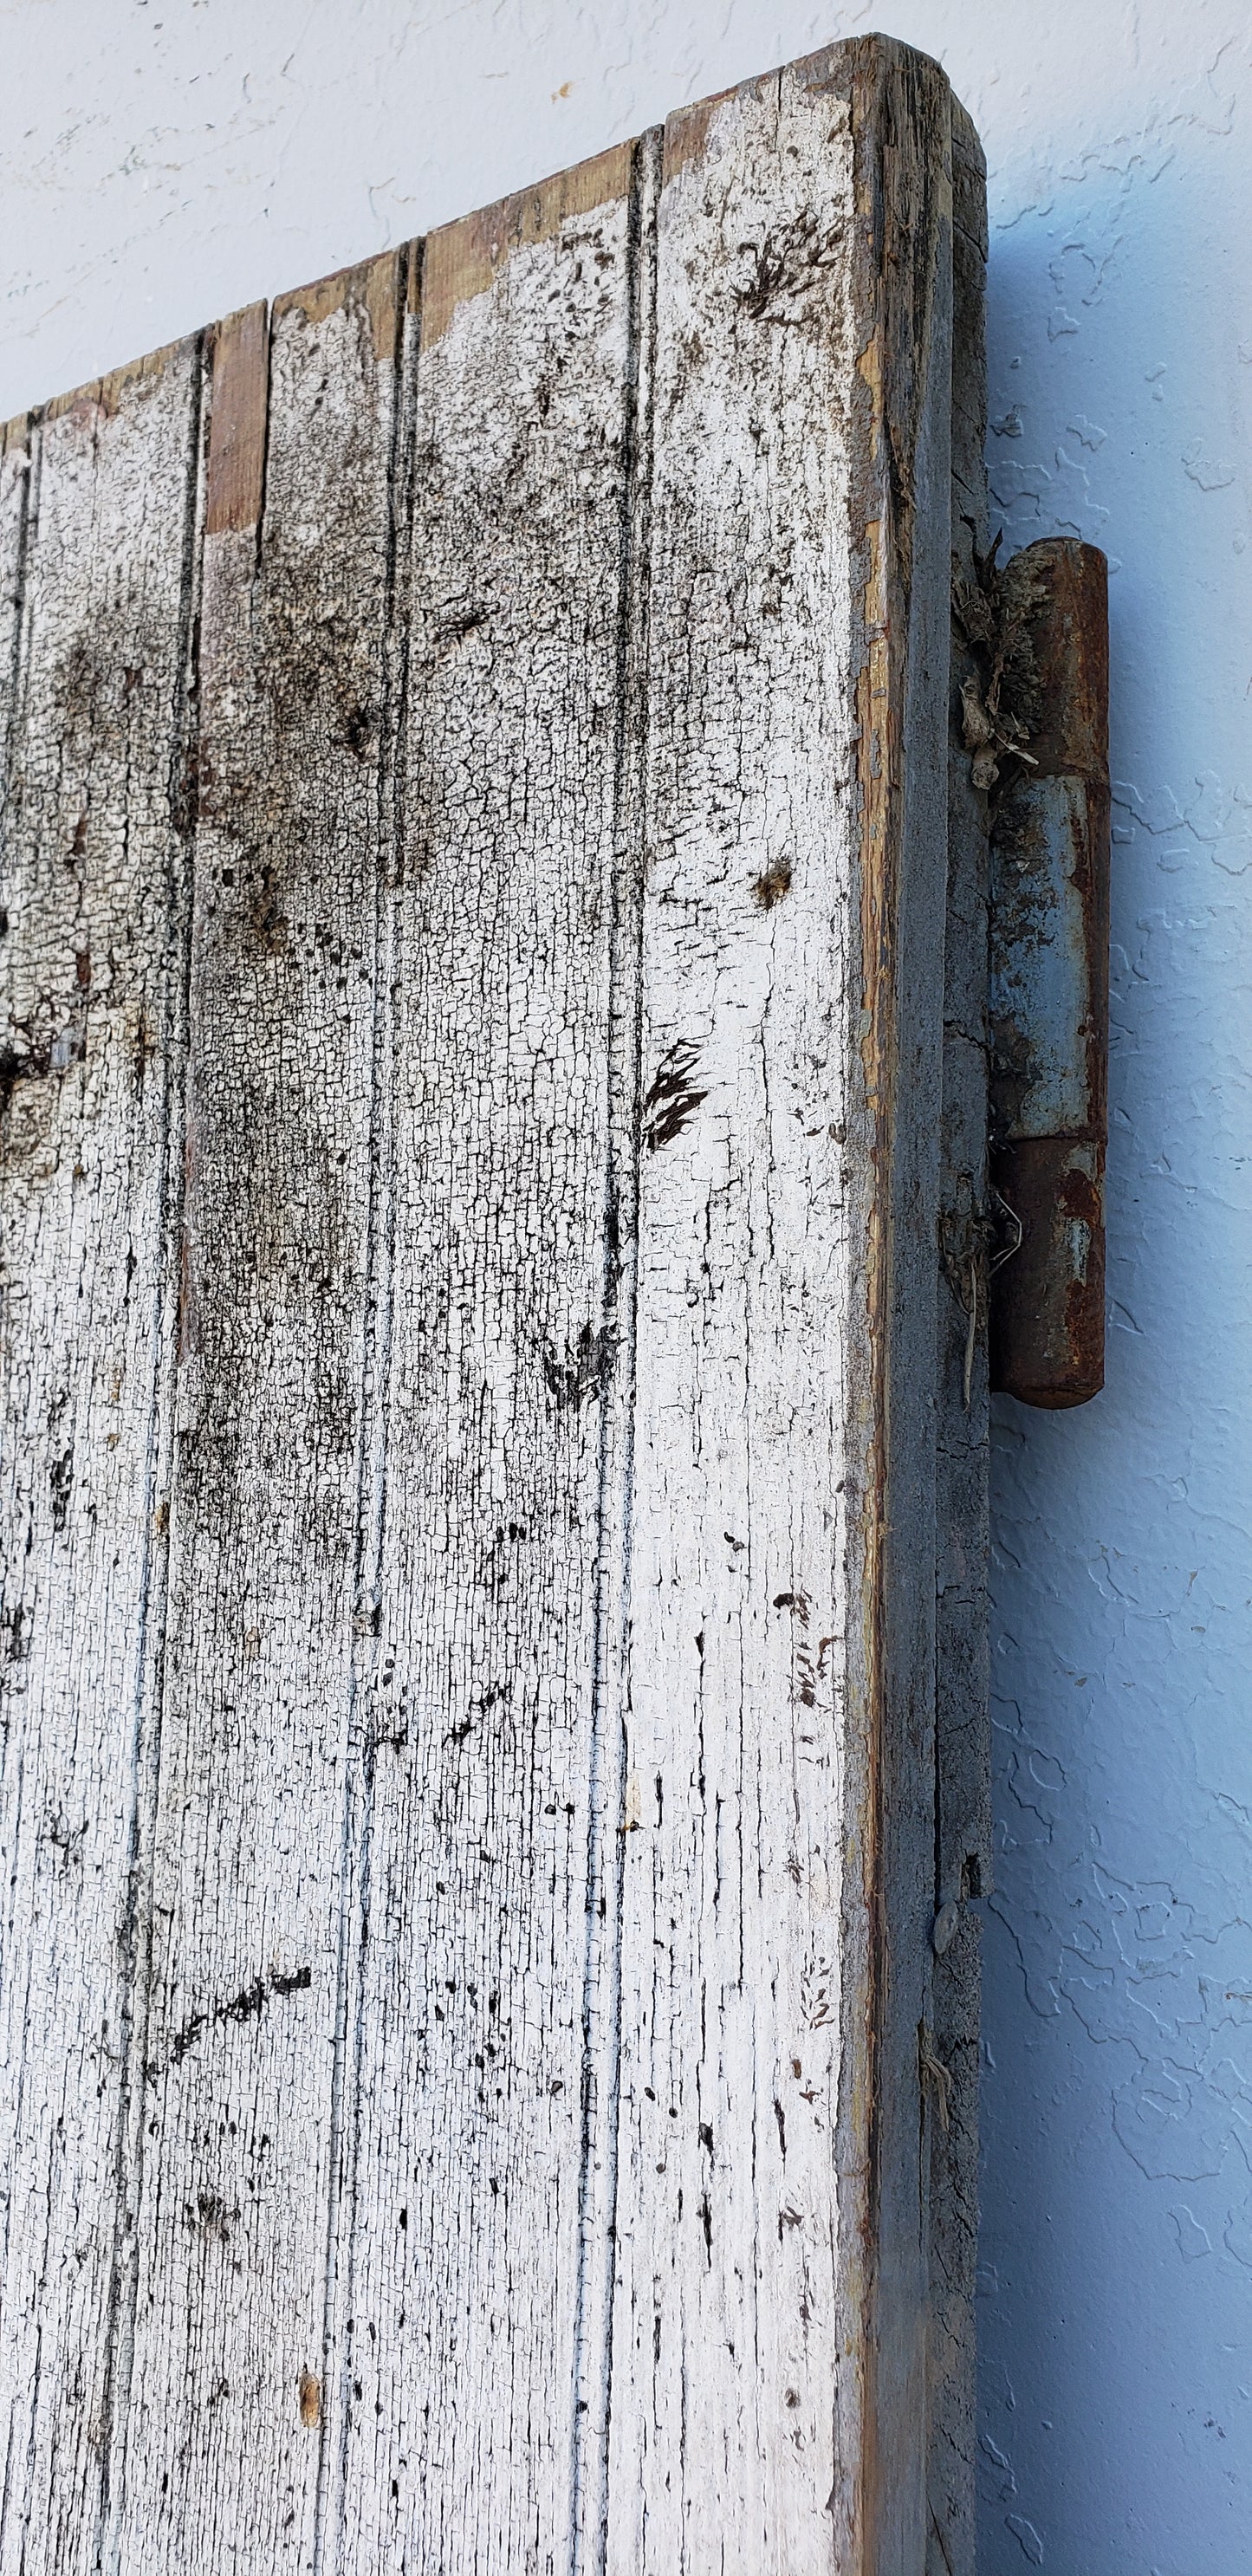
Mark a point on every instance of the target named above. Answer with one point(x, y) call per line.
point(901, 121)
point(962, 1866)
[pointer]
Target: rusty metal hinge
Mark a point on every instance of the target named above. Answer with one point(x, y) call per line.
point(1036, 722)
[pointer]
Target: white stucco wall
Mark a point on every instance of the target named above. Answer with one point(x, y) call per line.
point(164, 160)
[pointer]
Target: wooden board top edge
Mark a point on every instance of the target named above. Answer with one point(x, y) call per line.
point(462, 258)
point(101, 393)
point(375, 282)
point(832, 66)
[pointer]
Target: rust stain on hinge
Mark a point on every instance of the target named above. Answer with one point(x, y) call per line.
point(1041, 729)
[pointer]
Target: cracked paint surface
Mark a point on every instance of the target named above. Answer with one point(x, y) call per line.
point(166, 161)
point(444, 2010)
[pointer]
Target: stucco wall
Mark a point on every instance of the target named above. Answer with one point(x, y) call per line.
point(163, 160)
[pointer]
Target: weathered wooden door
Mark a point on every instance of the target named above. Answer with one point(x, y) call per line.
point(491, 1473)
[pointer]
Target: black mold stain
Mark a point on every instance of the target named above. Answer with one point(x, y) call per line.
point(672, 1100)
point(583, 1370)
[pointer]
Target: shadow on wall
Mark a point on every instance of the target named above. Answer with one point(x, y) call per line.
point(1116, 2430)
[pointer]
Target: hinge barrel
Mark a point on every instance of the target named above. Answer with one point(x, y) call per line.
point(1049, 949)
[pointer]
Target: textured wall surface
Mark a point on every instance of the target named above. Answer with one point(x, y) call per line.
point(163, 160)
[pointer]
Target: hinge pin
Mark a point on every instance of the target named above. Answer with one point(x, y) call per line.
point(1049, 975)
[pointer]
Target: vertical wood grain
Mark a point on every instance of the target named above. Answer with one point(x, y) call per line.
point(460, 2329)
point(780, 1643)
point(726, 2321)
point(903, 118)
point(222, 2448)
point(962, 1766)
point(94, 910)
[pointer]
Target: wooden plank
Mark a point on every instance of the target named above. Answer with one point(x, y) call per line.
point(219, 2466)
point(94, 908)
point(907, 185)
point(962, 1725)
point(737, 1643)
point(460, 2314)
point(782, 1525)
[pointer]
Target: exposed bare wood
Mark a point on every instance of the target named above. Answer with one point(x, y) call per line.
point(240, 381)
point(462, 258)
point(902, 110)
point(963, 1841)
